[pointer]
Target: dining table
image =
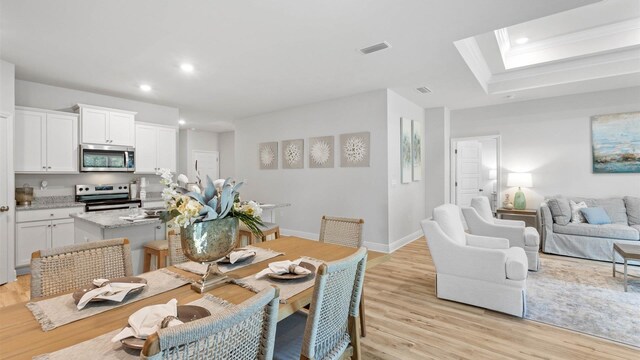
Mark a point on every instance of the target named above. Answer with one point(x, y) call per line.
point(21, 336)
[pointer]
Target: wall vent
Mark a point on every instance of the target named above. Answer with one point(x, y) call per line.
point(424, 90)
point(373, 48)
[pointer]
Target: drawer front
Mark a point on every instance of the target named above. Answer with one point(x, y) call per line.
point(46, 214)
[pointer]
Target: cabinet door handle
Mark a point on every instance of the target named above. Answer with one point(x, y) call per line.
point(48, 225)
point(54, 225)
point(158, 227)
point(44, 167)
point(50, 214)
point(4, 208)
point(48, 167)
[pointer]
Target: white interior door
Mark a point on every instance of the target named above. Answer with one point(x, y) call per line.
point(208, 164)
point(4, 200)
point(468, 171)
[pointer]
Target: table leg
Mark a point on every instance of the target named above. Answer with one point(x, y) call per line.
point(613, 256)
point(625, 275)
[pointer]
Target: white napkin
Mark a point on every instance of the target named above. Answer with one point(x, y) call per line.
point(148, 320)
point(282, 267)
point(112, 291)
point(134, 218)
point(239, 255)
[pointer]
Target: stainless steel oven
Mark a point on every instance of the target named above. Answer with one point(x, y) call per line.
point(106, 197)
point(107, 158)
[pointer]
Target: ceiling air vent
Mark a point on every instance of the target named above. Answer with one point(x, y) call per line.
point(373, 48)
point(424, 90)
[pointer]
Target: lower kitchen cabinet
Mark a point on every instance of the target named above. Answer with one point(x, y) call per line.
point(30, 237)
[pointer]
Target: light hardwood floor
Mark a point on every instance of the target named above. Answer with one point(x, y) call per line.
point(406, 321)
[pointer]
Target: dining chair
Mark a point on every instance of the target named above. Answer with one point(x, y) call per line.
point(62, 269)
point(345, 232)
point(176, 255)
point(330, 329)
point(341, 231)
point(245, 331)
point(267, 228)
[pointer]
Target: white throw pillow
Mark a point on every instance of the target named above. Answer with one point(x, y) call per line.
point(576, 214)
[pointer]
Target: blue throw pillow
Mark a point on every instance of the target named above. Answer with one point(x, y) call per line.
point(596, 216)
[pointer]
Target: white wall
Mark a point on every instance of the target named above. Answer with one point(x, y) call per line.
point(58, 98)
point(338, 191)
point(551, 138)
point(406, 201)
point(226, 144)
point(7, 87)
point(437, 161)
point(191, 140)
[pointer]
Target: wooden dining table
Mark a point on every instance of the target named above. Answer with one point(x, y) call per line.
point(21, 336)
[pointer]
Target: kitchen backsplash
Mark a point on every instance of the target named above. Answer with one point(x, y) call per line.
point(64, 185)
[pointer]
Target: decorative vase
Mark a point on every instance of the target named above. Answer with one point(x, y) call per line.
point(206, 242)
point(519, 202)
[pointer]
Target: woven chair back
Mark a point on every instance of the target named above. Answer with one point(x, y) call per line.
point(63, 269)
point(176, 255)
point(336, 296)
point(245, 331)
point(341, 231)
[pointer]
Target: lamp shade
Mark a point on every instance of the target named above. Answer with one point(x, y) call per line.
point(519, 180)
point(493, 174)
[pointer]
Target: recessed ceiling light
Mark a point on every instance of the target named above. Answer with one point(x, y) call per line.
point(522, 40)
point(145, 87)
point(188, 68)
point(181, 122)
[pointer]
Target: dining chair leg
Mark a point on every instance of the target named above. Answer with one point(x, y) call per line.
point(146, 267)
point(162, 259)
point(363, 323)
point(354, 334)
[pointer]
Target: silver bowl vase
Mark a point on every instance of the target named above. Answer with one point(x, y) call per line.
point(209, 240)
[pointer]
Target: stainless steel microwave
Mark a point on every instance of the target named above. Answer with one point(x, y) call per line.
point(107, 158)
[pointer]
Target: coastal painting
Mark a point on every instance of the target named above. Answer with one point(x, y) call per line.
point(406, 169)
point(616, 143)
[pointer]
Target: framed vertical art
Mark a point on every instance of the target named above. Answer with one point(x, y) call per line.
point(416, 150)
point(268, 155)
point(406, 154)
point(321, 152)
point(293, 154)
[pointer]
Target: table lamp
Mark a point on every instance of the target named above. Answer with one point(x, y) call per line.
point(520, 180)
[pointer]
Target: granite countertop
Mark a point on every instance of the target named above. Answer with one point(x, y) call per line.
point(153, 196)
point(111, 219)
point(51, 202)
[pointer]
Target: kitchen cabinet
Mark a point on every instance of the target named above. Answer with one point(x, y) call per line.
point(156, 148)
point(105, 126)
point(45, 141)
point(42, 229)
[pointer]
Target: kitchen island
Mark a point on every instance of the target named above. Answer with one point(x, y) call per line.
point(102, 225)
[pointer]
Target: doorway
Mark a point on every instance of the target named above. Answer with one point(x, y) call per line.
point(475, 169)
point(208, 163)
point(7, 202)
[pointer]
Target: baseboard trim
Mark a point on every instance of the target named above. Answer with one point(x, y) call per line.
point(383, 248)
point(301, 234)
point(404, 241)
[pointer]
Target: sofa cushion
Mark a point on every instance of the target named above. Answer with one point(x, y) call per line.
point(614, 207)
point(560, 210)
point(517, 264)
point(610, 231)
point(576, 214)
point(632, 203)
point(596, 216)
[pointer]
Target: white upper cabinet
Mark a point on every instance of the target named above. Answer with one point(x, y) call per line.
point(156, 148)
point(45, 141)
point(106, 126)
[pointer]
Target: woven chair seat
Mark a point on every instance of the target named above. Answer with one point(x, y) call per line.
point(158, 245)
point(267, 226)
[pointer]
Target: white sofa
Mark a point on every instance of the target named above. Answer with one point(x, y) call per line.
point(480, 221)
point(476, 270)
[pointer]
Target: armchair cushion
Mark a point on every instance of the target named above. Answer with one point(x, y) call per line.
point(450, 221)
point(482, 206)
point(487, 242)
point(518, 223)
point(516, 264)
point(531, 237)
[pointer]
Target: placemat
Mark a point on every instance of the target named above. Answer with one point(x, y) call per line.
point(61, 310)
point(288, 288)
point(101, 347)
point(200, 269)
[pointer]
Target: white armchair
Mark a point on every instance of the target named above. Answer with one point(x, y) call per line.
point(476, 270)
point(480, 221)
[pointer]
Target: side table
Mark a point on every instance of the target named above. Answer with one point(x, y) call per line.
point(627, 252)
point(529, 216)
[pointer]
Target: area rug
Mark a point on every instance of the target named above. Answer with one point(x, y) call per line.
point(582, 295)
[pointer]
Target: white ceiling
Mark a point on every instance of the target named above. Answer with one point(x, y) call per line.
point(257, 56)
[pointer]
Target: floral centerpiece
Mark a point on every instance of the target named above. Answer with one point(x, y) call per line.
point(209, 217)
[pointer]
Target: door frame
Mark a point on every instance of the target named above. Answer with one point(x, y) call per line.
point(9, 177)
point(452, 168)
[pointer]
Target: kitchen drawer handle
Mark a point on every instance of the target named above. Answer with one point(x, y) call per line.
point(4, 208)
